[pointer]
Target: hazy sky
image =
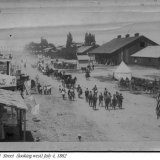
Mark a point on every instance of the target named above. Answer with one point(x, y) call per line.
point(31, 13)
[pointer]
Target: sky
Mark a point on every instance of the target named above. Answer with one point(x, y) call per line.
point(33, 13)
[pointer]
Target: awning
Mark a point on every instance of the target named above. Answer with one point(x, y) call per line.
point(12, 99)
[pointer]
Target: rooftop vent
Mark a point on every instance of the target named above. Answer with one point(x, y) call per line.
point(136, 35)
point(127, 35)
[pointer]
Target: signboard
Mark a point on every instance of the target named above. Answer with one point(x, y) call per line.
point(7, 81)
point(3, 67)
point(27, 85)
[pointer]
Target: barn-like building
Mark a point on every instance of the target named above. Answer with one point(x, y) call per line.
point(121, 48)
point(149, 56)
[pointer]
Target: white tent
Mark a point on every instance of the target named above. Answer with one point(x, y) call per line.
point(123, 71)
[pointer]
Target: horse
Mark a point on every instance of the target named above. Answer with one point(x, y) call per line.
point(83, 69)
point(87, 75)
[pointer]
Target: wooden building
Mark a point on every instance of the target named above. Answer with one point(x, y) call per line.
point(5, 62)
point(149, 56)
point(83, 59)
point(121, 48)
point(12, 116)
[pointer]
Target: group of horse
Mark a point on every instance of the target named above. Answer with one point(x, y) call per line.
point(64, 65)
point(139, 84)
point(145, 85)
point(124, 83)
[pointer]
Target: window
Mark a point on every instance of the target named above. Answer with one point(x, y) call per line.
point(135, 60)
point(149, 59)
point(142, 44)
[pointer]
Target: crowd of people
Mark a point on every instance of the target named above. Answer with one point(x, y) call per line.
point(105, 99)
point(44, 89)
point(93, 97)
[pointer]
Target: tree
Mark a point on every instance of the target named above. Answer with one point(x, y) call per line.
point(52, 46)
point(89, 39)
point(69, 40)
point(44, 42)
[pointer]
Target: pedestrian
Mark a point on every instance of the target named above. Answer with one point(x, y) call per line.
point(69, 95)
point(107, 100)
point(110, 98)
point(120, 100)
point(90, 98)
point(63, 93)
point(92, 66)
point(39, 86)
point(114, 101)
point(78, 88)
point(101, 99)
point(80, 92)
point(94, 101)
point(86, 94)
point(60, 89)
point(95, 90)
point(72, 93)
point(105, 92)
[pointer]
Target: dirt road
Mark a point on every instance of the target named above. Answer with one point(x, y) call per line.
point(63, 120)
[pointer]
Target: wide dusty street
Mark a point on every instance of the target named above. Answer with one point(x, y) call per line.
point(63, 120)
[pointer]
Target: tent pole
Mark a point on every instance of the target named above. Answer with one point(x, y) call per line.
point(20, 124)
point(24, 130)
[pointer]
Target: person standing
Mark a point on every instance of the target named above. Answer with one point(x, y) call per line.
point(92, 66)
point(94, 101)
point(63, 93)
point(107, 101)
point(114, 101)
point(105, 92)
point(90, 98)
point(95, 90)
point(87, 94)
point(101, 99)
point(120, 100)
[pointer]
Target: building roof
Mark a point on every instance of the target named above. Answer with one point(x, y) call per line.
point(148, 52)
point(114, 45)
point(83, 57)
point(5, 60)
point(5, 57)
point(12, 99)
point(83, 49)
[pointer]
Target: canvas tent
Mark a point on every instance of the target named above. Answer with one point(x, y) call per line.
point(123, 71)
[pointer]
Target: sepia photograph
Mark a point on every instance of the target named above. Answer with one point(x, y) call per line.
point(80, 75)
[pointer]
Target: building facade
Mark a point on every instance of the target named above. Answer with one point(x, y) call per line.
point(121, 48)
point(149, 56)
point(83, 59)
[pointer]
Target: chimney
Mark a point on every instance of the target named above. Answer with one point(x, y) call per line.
point(119, 36)
point(127, 35)
point(136, 35)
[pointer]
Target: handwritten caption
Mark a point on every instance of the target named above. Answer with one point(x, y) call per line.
point(32, 155)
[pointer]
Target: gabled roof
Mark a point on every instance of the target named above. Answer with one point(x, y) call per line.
point(148, 52)
point(114, 45)
point(83, 49)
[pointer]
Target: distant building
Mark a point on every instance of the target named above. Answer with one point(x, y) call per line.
point(5, 61)
point(83, 59)
point(149, 56)
point(121, 48)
